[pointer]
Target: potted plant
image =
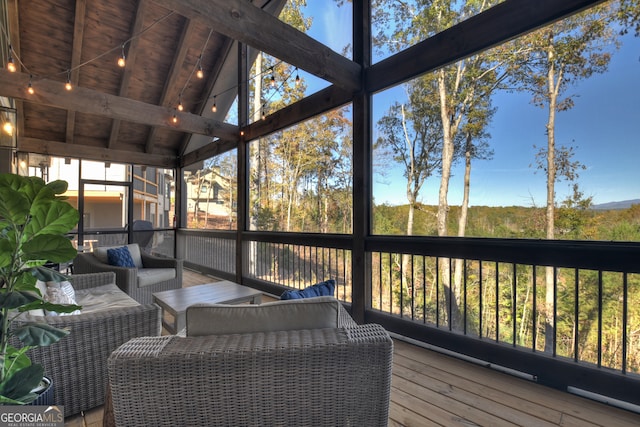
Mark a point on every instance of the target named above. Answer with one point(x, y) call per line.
point(34, 219)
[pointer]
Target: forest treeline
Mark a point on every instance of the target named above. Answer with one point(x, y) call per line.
point(572, 223)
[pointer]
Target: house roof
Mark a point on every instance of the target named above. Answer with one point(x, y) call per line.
point(126, 114)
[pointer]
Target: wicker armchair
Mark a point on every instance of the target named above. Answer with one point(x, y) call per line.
point(129, 279)
point(77, 364)
point(314, 377)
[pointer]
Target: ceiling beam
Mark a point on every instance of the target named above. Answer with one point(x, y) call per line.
point(206, 152)
point(132, 53)
point(170, 91)
point(76, 57)
point(249, 24)
point(492, 27)
point(79, 151)
point(53, 94)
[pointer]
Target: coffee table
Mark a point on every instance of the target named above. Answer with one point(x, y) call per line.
point(176, 301)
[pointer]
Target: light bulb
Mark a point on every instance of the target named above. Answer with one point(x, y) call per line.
point(174, 119)
point(11, 66)
point(199, 73)
point(273, 81)
point(68, 86)
point(263, 115)
point(180, 107)
point(297, 80)
point(121, 60)
point(214, 108)
point(30, 87)
point(8, 128)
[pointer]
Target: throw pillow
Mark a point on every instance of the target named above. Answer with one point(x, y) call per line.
point(60, 293)
point(325, 288)
point(120, 257)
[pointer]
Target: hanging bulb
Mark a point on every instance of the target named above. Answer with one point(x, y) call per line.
point(297, 79)
point(121, 60)
point(273, 81)
point(174, 119)
point(214, 108)
point(8, 128)
point(199, 73)
point(30, 87)
point(67, 85)
point(180, 106)
point(264, 116)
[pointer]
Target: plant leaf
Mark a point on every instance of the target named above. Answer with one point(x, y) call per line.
point(51, 217)
point(12, 300)
point(20, 384)
point(14, 207)
point(49, 248)
point(39, 334)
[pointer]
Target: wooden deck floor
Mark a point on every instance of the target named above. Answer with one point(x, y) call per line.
point(433, 389)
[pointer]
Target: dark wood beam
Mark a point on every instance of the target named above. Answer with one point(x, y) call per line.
point(61, 149)
point(53, 94)
point(313, 105)
point(76, 57)
point(209, 150)
point(249, 24)
point(138, 26)
point(502, 22)
point(170, 91)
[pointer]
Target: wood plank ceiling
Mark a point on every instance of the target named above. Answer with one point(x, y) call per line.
point(125, 114)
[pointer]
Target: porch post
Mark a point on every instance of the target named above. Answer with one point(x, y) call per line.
point(243, 179)
point(361, 291)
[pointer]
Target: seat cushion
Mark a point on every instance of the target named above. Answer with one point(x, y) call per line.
point(105, 297)
point(151, 276)
point(217, 319)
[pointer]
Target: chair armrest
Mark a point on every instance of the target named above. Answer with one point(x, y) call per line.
point(152, 261)
point(92, 280)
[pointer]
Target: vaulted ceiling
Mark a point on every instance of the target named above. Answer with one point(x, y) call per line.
point(126, 114)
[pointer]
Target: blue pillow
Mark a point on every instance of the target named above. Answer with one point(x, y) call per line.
point(325, 288)
point(120, 257)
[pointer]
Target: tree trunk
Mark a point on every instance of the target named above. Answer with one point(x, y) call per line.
point(552, 88)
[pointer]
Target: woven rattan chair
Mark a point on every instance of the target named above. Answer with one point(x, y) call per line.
point(130, 279)
point(315, 377)
point(77, 364)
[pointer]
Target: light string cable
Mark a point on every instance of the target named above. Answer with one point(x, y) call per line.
point(196, 67)
point(89, 61)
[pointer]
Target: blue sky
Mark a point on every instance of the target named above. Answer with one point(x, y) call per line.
point(603, 126)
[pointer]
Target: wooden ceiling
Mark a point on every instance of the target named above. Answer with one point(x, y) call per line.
point(125, 114)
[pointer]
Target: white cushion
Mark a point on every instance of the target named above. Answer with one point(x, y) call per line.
point(105, 297)
point(309, 313)
point(151, 276)
point(134, 250)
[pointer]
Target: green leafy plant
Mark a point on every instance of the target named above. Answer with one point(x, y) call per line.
point(34, 219)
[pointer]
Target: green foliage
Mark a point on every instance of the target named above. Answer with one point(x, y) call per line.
point(34, 219)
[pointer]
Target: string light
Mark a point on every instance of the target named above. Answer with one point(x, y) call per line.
point(8, 128)
point(174, 119)
point(180, 106)
point(11, 66)
point(121, 61)
point(214, 108)
point(200, 73)
point(30, 86)
point(297, 78)
point(264, 116)
point(273, 79)
point(67, 85)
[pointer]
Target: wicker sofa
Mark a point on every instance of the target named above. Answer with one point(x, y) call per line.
point(313, 377)
point(77, 364)
point(151, 274)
